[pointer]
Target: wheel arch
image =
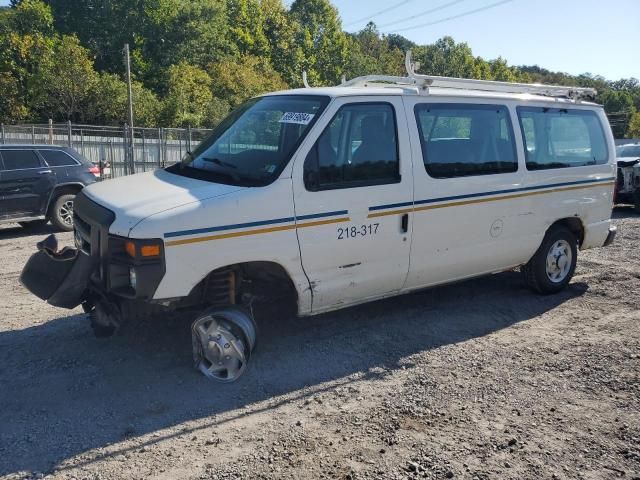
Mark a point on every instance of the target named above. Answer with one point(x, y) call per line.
point(573, 224)
point(255, 277)
point(63, 189)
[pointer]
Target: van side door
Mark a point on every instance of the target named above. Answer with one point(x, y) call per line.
point(467, 221)
point(27, 183)
point(357, 159)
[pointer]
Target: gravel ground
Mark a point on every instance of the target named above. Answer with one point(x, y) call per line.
point(476, 380)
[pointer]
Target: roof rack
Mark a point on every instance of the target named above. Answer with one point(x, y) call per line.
point(423, 82)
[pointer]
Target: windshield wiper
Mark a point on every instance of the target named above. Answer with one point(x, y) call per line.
point(227, 165)
point(222, 163)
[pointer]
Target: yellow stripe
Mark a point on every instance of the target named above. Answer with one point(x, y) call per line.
point(281, 228)
point(485, 200)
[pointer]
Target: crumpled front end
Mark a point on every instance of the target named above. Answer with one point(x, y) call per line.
point(59, 277)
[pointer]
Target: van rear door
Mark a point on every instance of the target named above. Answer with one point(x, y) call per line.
point(468, 217)
point(352, 185)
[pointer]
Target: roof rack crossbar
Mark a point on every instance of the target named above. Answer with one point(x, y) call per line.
point(425, 81)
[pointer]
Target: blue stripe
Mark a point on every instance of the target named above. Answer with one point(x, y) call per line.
point(321, 215)
point(484, 194)
point(252, 224)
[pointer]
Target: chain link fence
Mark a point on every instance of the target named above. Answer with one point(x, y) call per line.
point(117, 151)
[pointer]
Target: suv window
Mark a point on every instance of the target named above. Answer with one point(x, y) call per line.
point(460, 140)
point(561, 138)
point(20, 159)
point(359, 147)
point(58, 158)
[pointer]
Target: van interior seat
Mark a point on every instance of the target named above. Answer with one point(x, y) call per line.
point(378, 143)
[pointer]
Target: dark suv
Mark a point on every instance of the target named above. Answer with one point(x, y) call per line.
point(39, 182)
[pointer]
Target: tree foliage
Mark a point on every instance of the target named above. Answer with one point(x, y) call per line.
point(194, 60)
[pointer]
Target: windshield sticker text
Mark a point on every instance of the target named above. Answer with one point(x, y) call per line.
point(297, 118)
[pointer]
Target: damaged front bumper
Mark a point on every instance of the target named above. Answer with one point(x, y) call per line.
point(59, 277)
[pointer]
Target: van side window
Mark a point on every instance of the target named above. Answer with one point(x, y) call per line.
point(359, 147)
point(20, 159)
point(561, 138)
point(460, 140)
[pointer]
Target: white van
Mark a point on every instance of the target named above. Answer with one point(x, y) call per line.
point(330, 197)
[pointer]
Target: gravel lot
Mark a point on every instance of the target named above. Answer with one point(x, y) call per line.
point(477, 380)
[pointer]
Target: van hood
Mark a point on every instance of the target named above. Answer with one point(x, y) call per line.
point(136, 197)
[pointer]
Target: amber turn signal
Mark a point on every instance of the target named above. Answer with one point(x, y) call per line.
point(150, 251)
point(130, 247)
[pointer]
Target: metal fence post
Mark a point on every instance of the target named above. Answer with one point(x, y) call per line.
point(144, 158)
point(69, 134)
point(189, 138)
point(33, 134)
point(125, 149)
point(2, 128)
point(50, 132)
point(160, 163)
point(82, 141)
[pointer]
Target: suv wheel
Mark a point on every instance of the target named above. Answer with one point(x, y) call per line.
point(61, 214)
point(551, 268)
point(636, 200)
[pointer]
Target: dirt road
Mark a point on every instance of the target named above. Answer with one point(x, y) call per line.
point(478, 380)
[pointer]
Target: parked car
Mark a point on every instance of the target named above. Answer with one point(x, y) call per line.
point(628, 181)
point(322, 198)
point(38, 183)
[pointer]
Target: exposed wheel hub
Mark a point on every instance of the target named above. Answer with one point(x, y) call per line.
point(559, 261)
point(221, 346)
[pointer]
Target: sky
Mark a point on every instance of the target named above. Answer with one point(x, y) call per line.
point(575, 36)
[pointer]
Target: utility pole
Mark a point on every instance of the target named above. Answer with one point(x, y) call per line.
point(127, 62)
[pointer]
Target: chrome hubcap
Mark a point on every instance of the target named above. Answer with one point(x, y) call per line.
point(66, 212)
point(220, 354)
point(559, 261)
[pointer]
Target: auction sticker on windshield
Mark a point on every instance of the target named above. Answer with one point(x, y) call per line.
point(298, 118)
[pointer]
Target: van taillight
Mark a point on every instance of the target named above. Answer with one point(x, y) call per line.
point(95, 170)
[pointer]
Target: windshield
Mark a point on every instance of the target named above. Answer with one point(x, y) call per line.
point(628, 151)
point(252, 146)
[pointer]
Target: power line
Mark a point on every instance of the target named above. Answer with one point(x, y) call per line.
point(453, 17)
point(422, 14)
point(388, 9)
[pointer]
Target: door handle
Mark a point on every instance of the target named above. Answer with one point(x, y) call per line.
point(44, 172)
point(404, 223)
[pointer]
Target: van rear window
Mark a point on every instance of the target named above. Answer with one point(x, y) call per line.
point(561, 138)
point(461, 140)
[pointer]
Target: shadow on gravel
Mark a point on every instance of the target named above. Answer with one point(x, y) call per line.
point(64, 392)
point(13, 230)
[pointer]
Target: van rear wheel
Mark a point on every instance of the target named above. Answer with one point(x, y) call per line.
point(551, 268)
point(223, 339)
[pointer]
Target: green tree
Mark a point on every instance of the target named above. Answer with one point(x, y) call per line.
point(65, 80)
point(372, 54)
point(320, 38)
point(189, 96)
point(237, 80)
point(280, 29)
point(634, 126)
point(246, 27)
point(450, 59)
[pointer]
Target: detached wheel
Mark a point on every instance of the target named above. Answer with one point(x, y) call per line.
point(223, 339)
point(61, 213)
point(551, 268)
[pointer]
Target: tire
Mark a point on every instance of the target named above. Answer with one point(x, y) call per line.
point(61, 213)
point(33, 225)
point(223, 340)
point(544, 275)
point(636, 200)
